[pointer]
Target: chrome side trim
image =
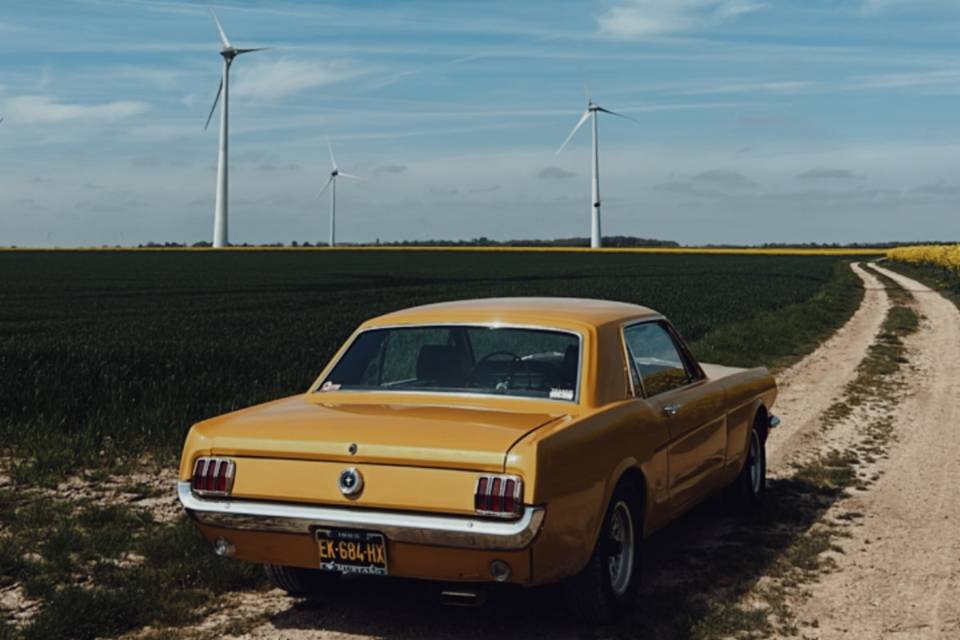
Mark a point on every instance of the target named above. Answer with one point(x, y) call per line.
point(434, 530)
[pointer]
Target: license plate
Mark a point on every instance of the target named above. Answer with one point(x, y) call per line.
point(349, 551)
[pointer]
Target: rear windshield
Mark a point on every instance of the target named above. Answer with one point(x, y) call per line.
point(534, 363)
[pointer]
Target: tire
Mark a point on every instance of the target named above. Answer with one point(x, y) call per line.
point(746, 493)
point(608, 584)
point(298, 581)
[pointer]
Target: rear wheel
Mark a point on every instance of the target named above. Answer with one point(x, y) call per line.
point(746, 492)
point(600, 593)
point(298, 581)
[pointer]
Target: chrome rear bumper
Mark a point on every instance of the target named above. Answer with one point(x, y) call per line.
point(435, 530)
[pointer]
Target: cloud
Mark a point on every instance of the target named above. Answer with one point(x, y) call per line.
point(940, 188)
point(716, 183)
point(723, 179)
point(680, 186)
point(146, 162)
point(944, 79)
point(390, 168)
point(267, 167)
point(646, 18)
point(489, 189)
point(250, 156)
point(828, 174)
point(444, 192)
point(554, 173)
point(38, 109)
point(123, 205)
point(273, 80)
point(879, 6)
point(775, 87)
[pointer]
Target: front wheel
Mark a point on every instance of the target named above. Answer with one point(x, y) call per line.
point(746, 492)
point(600, 593)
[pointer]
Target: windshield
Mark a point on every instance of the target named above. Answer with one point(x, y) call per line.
point(534, 363)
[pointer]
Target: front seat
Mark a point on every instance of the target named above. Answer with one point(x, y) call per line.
point(442, 365)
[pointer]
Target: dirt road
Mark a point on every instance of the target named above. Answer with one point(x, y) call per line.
point(898, 575)
point(808, 388)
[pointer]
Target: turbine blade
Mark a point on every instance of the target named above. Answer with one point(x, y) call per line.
point(586, 93)
point(619, 115)
point(349, 175)
point(333, 161)
point(239, 51)
point(224, 40)
point(583, 118)
point(214, 107)
point(325, 186)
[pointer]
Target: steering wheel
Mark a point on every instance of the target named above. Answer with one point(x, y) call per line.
point(514, 359)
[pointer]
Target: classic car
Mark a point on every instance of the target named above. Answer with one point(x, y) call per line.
point(520, 440)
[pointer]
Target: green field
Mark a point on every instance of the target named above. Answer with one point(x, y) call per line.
point(121, 351)
point(108, 357)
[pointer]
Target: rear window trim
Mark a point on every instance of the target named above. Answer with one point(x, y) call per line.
point(483, 325)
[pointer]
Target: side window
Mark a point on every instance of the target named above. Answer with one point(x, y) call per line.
point(655, 358)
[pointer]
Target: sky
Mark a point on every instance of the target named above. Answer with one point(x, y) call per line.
point(756, 120)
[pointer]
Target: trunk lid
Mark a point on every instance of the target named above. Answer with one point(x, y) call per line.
point(306, 428)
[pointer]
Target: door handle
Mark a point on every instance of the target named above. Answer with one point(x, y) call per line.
point(671, 410)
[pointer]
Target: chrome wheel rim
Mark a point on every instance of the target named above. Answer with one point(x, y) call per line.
point(756, 463)
point(620, 561)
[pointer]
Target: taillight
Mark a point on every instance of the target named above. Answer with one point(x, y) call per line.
point(500, 496)
point(213, 476)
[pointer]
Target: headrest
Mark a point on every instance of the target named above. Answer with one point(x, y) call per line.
point(441, 363)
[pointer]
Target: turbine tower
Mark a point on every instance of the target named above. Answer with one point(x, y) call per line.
point(332, 184)
point(592, 110)
point(228, 52)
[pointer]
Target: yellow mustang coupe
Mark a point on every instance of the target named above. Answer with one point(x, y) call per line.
point(521, 440)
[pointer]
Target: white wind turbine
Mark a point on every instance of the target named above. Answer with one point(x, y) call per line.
point(229, 52)
point(332, 184)
point(592, 110)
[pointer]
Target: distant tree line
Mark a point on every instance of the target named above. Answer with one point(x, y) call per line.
point(608, 241)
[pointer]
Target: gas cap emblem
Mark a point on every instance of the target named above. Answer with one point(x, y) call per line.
point(350, 482)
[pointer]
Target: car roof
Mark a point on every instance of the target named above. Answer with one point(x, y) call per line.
point(546, 312)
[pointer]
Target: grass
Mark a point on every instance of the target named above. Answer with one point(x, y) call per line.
point(100, 570)
point(780, 337)
point(944, 280)
point(117, 353)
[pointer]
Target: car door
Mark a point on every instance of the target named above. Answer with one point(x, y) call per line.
point(689, 406)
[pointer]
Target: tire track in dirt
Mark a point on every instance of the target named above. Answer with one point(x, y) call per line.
point(810, 387)
point(898, 575)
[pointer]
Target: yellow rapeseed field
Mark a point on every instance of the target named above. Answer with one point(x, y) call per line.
point(947, 256)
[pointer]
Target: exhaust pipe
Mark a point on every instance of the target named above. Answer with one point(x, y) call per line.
point(463, 597)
